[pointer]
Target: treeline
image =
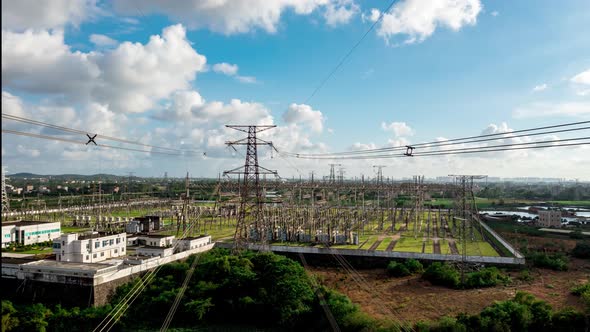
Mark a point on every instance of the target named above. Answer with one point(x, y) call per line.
point(271, 292)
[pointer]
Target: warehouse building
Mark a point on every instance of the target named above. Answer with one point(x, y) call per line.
point(90, 247)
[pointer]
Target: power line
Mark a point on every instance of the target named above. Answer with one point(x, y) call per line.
point(463, 140)
point(59, 139)
point(348, 53)
point(82, 132)
point(493, 148)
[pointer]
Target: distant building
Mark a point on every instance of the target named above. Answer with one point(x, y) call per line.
point(549, 218)
point(89, 248)
point(143, 224)
point(29, 232)
point(189, 243)
point(154, 251)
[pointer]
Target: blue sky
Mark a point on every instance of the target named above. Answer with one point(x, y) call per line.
point(503, 65)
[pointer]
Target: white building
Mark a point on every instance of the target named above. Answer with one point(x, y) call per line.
point(89, 248)
point(156, 240)
point(154, 251)
point(549, 218)
point(29, 232)
point(193, 242)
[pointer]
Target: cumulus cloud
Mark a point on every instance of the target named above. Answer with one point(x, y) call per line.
point(232, 70)
point(398, 128)
point(102, 40)
point(540, 87)
point(225, 68)
point(32, 14)
point(304, 115)
point(495, 13)
point(132, 77)
point(341, 12)
point(238, 16)
point(418, 20)
point(573, 109)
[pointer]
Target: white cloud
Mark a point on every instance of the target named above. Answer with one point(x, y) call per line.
point(225, 68)
point(540, 87)
point(341, 12)
point(418, 19)
point(133, 77)
point(102, 40)
point(495, 13)
point(373, 15)
point(33, 14)
point(247, 79)
point(398, 128)
point(582, 78)
point(536, 110)
point(305, 115)
point(237, 16)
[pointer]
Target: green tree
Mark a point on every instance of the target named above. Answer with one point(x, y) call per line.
point(9, 321)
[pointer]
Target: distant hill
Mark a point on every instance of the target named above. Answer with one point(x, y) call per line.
point(93, 177)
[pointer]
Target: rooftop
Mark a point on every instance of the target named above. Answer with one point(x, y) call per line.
point(155, 236)
point(195, 238)
point(86, 236)
point(28, 223)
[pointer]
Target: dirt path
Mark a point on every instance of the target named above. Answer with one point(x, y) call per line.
point(391, 245)
point(375, 245)
point(436, 247)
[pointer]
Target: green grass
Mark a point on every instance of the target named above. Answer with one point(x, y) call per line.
point(478, 249)
point(384, 244)
point(444, 247)
point(407, 244)
point(73, 229)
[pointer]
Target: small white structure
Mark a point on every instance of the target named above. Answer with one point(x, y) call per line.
point(29, 232)
point(89, 248)
point(154, 251)
point(549, 218)
point(189, 243)
point(155, 240)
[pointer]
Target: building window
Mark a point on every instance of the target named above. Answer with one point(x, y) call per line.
point(94, 256)
point(87, 257)
point(122, 249)
point(96, 244)
point(111, 242)
point(116, 251)
point(102, 254)
point(118, 240)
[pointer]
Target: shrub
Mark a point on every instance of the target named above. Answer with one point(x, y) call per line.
point(442, 274)
point(582, 250)
point(487, 277)
point(396, 269)
point(583, 291)
point(556, 262)
point(414, 266)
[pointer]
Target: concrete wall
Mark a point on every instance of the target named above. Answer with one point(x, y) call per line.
point(385, 254)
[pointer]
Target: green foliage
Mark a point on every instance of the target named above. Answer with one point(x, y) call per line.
point(442, 274)
point(581, 250)
point(409, 267)
point(526, 276)
point(556, 262)
point(577, 234)
point(414, 266)
point(9, 321)
point(583, 291)
point(487, 277)
point(396, 269)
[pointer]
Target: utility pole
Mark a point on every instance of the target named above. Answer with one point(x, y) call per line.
point(250, 191)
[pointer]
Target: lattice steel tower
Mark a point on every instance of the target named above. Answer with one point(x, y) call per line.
point(251, 199)
point(5, 200)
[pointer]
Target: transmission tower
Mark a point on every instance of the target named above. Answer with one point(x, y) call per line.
point(332, 178)
point(465, 210)
point(341, 174)
point(5, 199)
point(251, 199)
point(379, 172)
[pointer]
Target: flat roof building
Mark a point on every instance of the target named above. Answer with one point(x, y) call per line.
point(90, 247)
point(549, 218)
point(29, 232)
